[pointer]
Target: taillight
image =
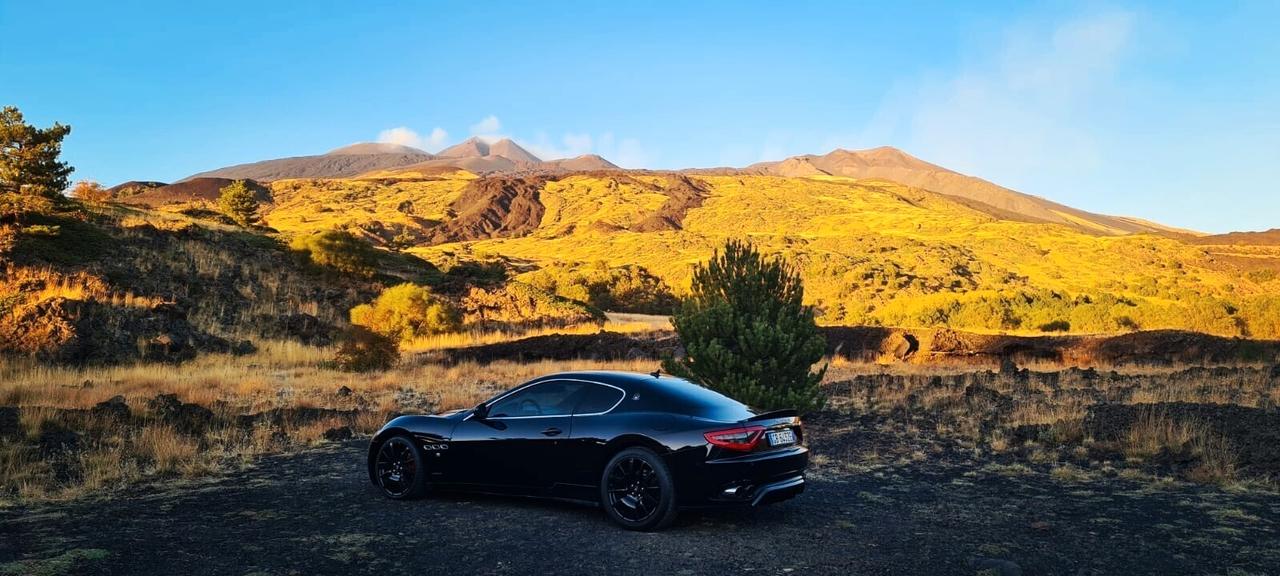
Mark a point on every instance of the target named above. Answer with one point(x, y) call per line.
point(743, 439)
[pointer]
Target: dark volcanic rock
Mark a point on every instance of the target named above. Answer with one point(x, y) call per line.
point(186, 417)
point(498, 207)
point(62, 330)
point(10, 422)
point(114, 408)
point(55, 438)
point(683, 194)
point(339, 433)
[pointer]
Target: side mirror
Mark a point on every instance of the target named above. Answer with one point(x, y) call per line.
point(480, 411)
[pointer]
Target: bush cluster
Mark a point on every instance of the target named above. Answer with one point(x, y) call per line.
point(620, 289)
point(407, 311)
point(339, 250)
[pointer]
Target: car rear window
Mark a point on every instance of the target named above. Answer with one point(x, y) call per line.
point(685, 397)
point(598, 398)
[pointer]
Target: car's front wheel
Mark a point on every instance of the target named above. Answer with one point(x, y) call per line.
point(399, 469)
point(637, 490)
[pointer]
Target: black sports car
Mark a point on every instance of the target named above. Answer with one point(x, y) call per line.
point(642, 445)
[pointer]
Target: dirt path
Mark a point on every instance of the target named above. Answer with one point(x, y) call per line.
point(315, 513)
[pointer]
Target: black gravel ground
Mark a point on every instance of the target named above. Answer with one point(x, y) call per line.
point(315, 513)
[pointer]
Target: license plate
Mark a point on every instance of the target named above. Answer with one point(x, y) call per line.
point(781, 437)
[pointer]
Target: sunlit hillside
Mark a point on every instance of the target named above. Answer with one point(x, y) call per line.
point(872, 252)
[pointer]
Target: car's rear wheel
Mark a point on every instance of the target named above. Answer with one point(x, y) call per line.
point(637, 491)
point(399, 469)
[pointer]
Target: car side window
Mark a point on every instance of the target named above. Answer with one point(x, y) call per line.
point(551, 398)
point(597, 398)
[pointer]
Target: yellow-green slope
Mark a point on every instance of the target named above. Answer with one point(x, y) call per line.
point(871, 251)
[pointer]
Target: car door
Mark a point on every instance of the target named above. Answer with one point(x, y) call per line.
point(515, 446)
point(592, 428)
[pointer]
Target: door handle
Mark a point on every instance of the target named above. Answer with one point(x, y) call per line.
point(552, 431)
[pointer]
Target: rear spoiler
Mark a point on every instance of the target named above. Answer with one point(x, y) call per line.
point(772, 415)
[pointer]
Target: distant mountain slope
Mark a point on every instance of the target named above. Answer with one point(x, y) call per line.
point(343, 162)
point(190, 190)
point(583, 163)
point(506, 157)
point(473, 155)
point(510, 150)
point(887, 163)
point(502, 157)
point(1266, 238)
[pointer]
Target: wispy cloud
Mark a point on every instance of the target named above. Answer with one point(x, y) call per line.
point(1013, 112)
point(407, 137)
point(625, 152)
point(488, 129)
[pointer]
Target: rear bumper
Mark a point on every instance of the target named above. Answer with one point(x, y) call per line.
point(749, 480)
point(778, 491)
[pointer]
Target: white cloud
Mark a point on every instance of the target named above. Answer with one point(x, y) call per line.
point(407, 137)
point(401, 135)
point(488, 126)
point(438, 138)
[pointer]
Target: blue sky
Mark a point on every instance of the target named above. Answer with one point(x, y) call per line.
point(1166, 111)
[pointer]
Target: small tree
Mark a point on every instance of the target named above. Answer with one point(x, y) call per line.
point(29, 161)
point(747, 332)
point(407, 311)
point(239, 203)
point(90, 191)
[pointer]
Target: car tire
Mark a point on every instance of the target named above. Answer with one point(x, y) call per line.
point(637, 490)
point(400, 468)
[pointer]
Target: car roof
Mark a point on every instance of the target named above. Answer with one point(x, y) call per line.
point(626, 380)
point(663, 384)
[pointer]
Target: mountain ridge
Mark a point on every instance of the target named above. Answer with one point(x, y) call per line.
point(506, 157)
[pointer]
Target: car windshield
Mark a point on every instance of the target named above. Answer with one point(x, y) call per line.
point(552, 398)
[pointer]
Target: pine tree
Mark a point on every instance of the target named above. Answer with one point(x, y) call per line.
point(29, 162)
point(239, 203)
point(747, 332)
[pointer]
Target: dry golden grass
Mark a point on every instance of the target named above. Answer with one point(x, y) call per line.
point(280, 375)
point(1154, 433)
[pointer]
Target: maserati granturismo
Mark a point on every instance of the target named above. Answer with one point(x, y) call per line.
point(643, 446)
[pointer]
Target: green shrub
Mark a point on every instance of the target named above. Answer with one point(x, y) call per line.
point(363, 350)
point(621, 289)
point(747, 333)
point(339, 250)
point(405, 312)
point(516, 304)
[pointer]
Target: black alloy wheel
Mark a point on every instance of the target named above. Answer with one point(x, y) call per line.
point(637, 491)
point(399, 469)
